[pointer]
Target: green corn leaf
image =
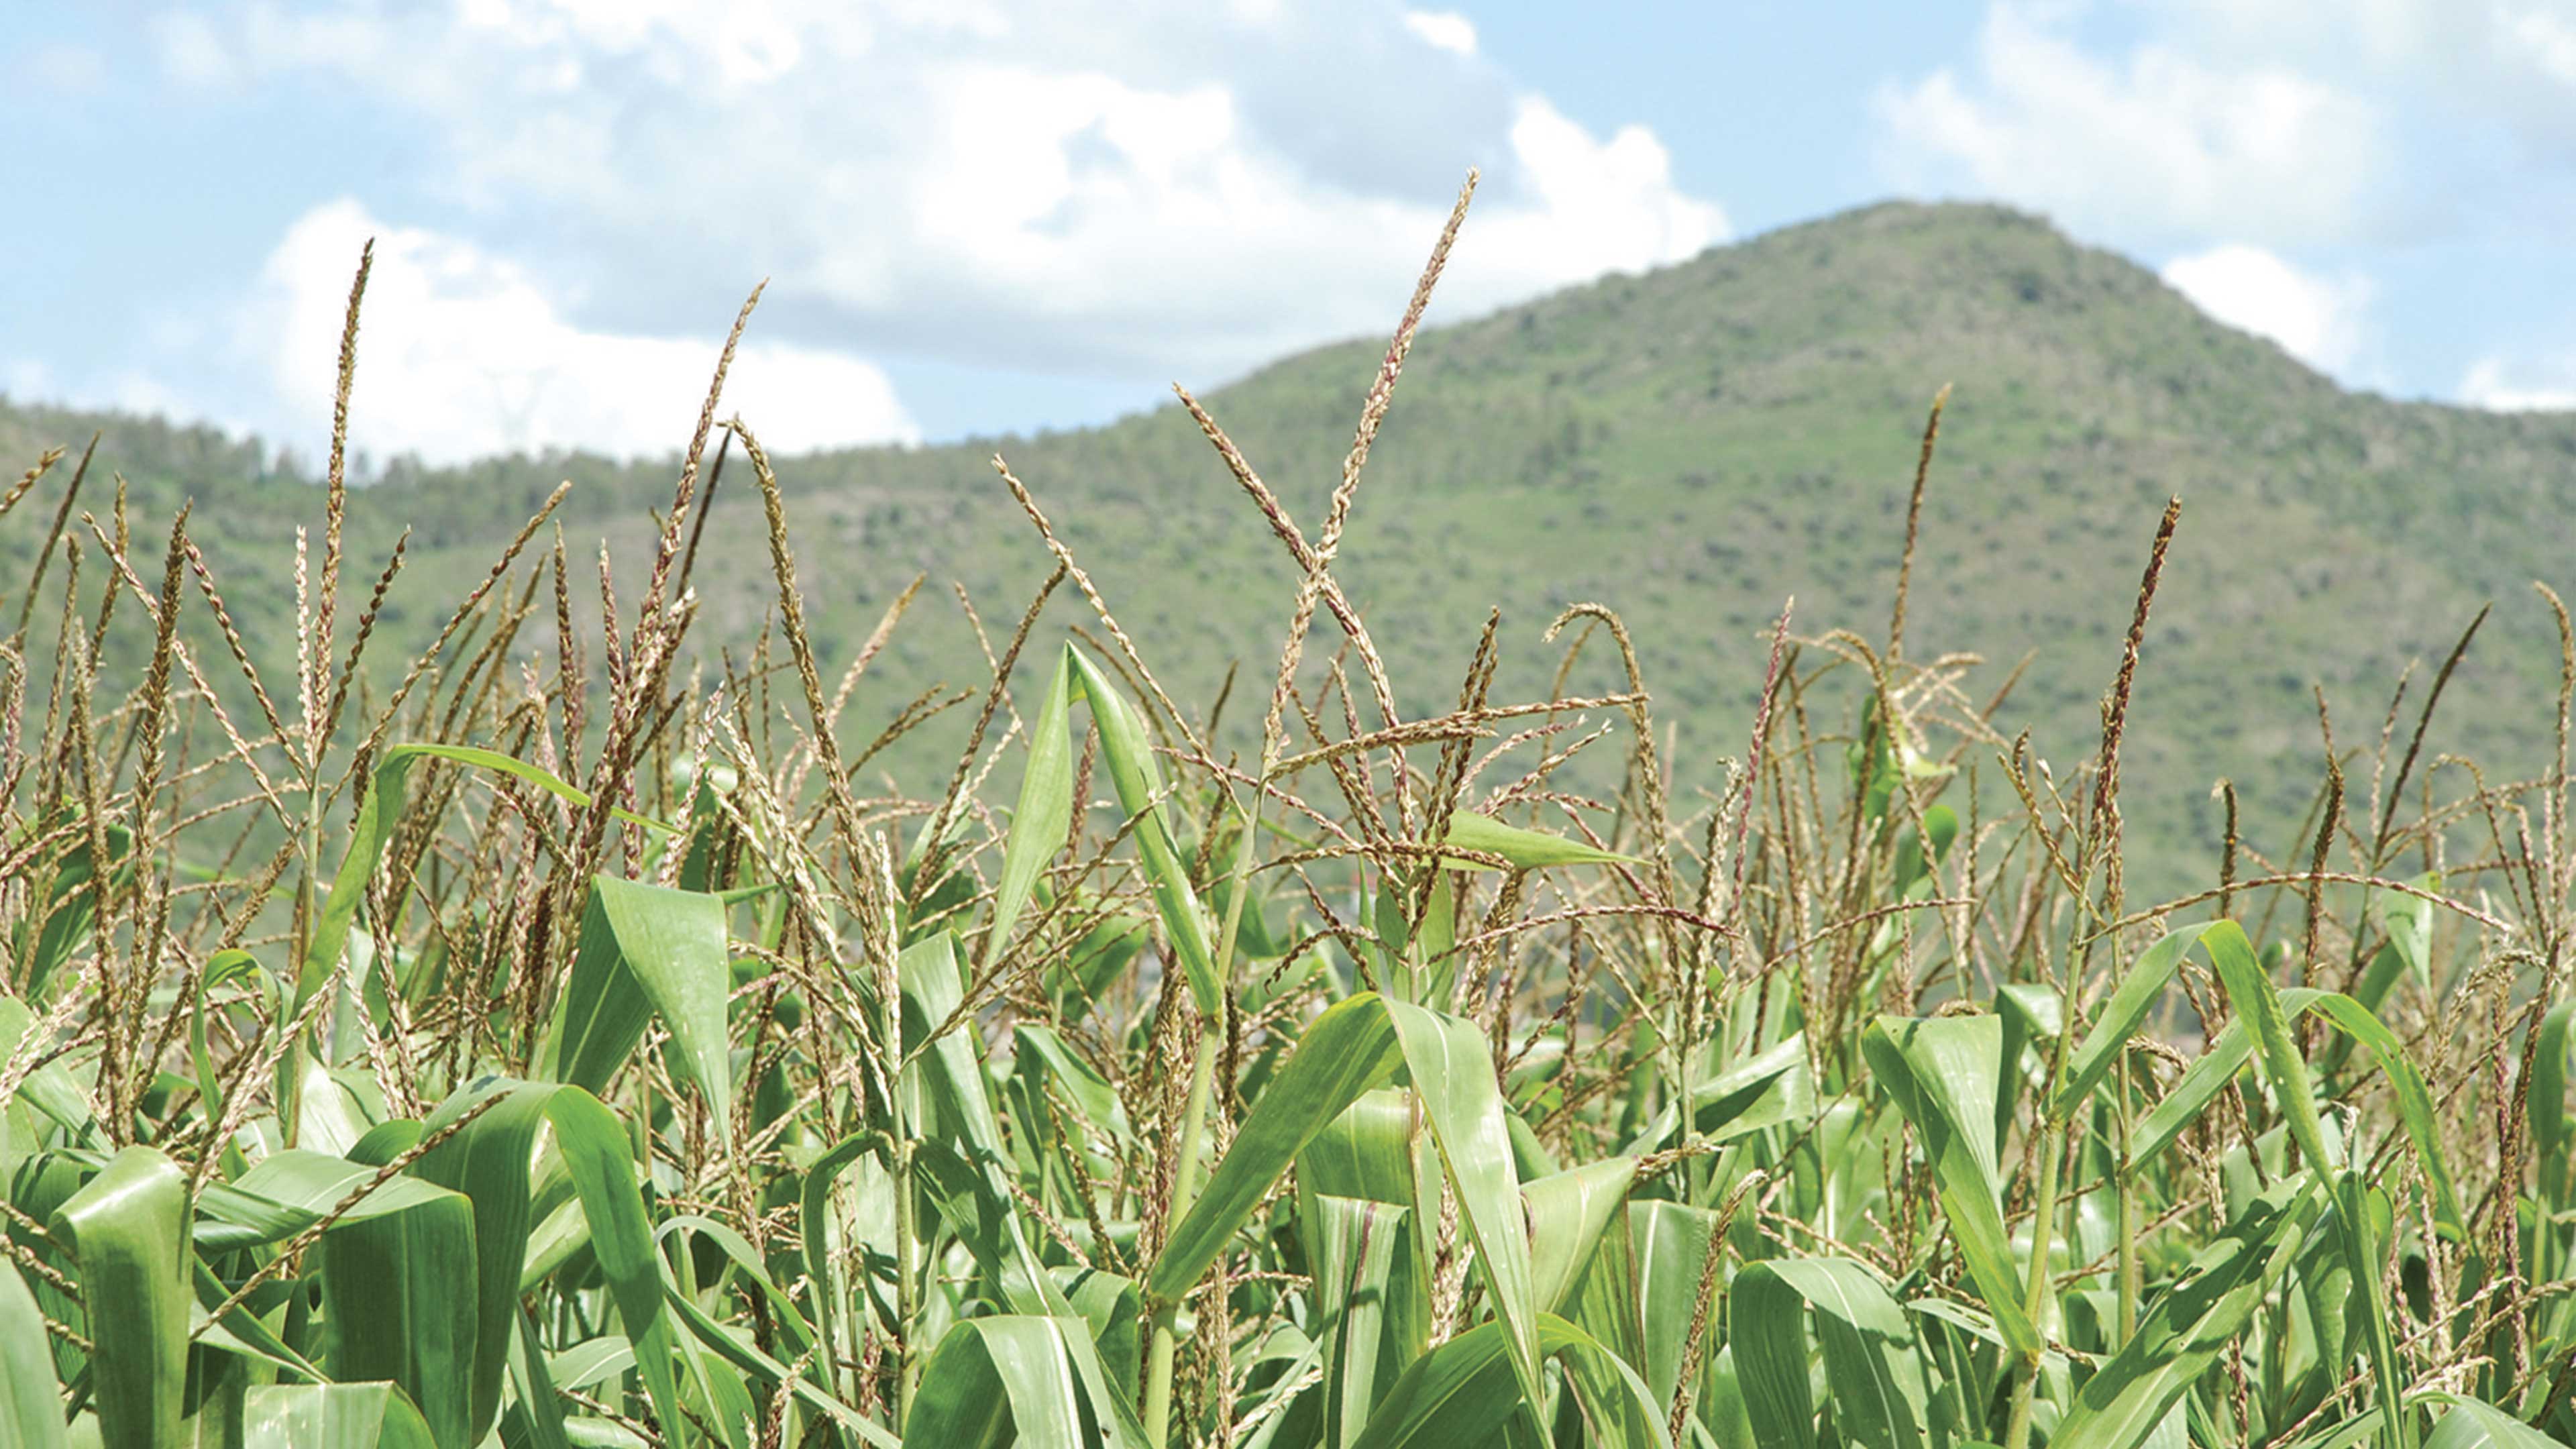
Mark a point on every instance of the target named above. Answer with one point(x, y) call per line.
point(1460, 1395)
point(2202, 1081)
point(1567, 1214)
point(538, 1413)
point(2551, 1129)
point(49, 1088)
point(1942, 1072)
point(1764, 1091)
point(488, 1161)
point(1452, 1068)
point(1352, 1047)
point(1670, 1243)
point(1130, 758)
point(128, 1228)
point(815, 1220)
point(648, 950)
point(1360, 1246)
point(2185, 1332)
point(1045, 812)
point(2477, 1424)
point(1525, 849)
point(1344, 1052)
point(369, 834)
point(1880, 1394)
point(2276, 1052)
point(71, 905)
point(2414, 1101)
point(2139, 990)
point(1016, 1379)
point(333, 1416)
point(31, 1413)
point(1367, 1151)
point(970, 1165)
point(390, 1270)
point(737, 1350)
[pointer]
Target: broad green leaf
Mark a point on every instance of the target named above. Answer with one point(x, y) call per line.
point(1567, 1215)
point(368, 835)
point(1130, 758)
point(815, 1221)
point(49, 1088)
point(1015, 1379)
point(1872, 1366)
point(1525, 849)
point(737, 1350)
point(71, 905)
point(333, 1416)
point(1764, 1091)
point(1348, 1049)
point(647, 950)
point(2202, 1081)
point(1670, 1244)
point(1461, 1393)
point(2276, 1053)
point(1344, 1052)
point(2552, 1132)
point(2476, 1424)
point(1766, 1332)
point(1366, 1151)
point(128, 1227)
point(2414, 1102)
point(2189, 1326)
point(1356, 1281)
point(1045, 813)
point(2140, 988)
point(390, 1293)
point(1452, 1068)
point(1942, 1073)
point(31, 1413)
point(2409, 919)
point(1942, 824)
point(489, 1160)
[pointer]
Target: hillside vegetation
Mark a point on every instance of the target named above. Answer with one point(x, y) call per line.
point(597, 1031)
point(1689, 448)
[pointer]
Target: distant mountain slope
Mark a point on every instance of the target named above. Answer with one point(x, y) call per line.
point(1689, 447)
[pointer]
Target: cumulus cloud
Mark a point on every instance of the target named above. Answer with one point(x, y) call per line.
point(1107, 190)
point(463, 354)
point(2504, 387)
point(1443, 30)
point(2160, 142)
point(2318, 320)
point(2512, 61)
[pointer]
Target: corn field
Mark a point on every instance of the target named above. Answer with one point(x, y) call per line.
point(552, 1039)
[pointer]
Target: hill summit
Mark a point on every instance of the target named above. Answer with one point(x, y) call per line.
point(1689, 447)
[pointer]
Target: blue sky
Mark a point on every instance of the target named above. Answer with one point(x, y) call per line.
point(989, 217)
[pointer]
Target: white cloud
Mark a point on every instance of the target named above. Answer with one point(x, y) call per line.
point(462, 354)
point(26, 379)
point(2490, 385)
point(2318, 320)
point(1443, 30)
point(2512, 61)
point(1108, 190)
point(190, 50)
point(2161, 143)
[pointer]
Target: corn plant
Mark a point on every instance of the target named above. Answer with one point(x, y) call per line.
point(554, 1038)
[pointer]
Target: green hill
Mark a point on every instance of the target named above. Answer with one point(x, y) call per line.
point(1689, 447)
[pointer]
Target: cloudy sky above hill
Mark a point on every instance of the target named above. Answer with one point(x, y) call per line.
point(980, 216)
